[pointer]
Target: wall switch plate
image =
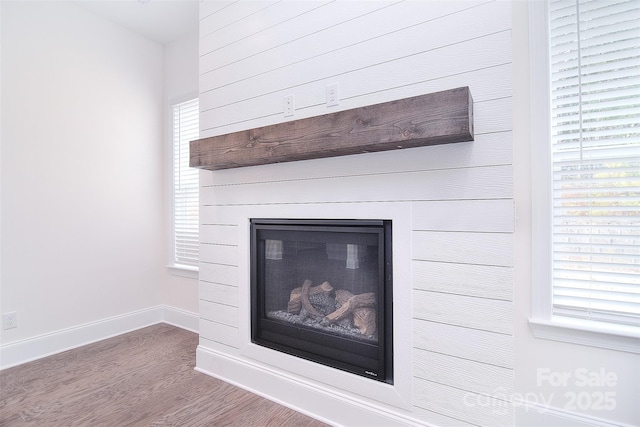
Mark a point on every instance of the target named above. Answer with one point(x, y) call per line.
point(289, 107)
point(10, 320)
point(333, 97)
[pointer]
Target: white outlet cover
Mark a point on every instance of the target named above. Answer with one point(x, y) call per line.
point(10, 320)
point(333, 96)
point(289, 107)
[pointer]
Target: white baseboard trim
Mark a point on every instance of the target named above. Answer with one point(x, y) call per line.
point(181, 318)
point(33, 348)
point(314, 400)
point(534, 414)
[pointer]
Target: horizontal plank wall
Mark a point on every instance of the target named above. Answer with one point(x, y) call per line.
point(458, 197)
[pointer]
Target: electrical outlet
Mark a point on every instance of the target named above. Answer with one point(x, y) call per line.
point(332, 95)
point(288, 106)
point(10, 320)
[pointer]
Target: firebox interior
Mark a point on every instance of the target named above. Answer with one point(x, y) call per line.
point(322, 290)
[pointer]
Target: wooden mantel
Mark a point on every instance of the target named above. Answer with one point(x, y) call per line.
point(436, 118)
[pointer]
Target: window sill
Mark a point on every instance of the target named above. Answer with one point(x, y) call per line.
point(183, 271)
point(621, 338)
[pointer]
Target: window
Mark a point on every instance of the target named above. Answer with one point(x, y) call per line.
point(185, 187)
point(586, 164)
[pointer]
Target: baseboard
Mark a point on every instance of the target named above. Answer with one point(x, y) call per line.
point(530, 414)
point(181, 318)
point(315, 400)
point(23, 351)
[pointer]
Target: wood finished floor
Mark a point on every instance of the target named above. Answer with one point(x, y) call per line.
point(143, 378)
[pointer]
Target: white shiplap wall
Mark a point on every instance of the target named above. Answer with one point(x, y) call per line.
point(458, 196)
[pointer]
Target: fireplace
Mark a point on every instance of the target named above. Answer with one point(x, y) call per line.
point(321, 290)
point(253, 330)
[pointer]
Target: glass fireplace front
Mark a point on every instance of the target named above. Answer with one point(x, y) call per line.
point(321, 290)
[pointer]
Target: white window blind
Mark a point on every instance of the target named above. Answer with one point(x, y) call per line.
point(185, 185)
point(594, 59)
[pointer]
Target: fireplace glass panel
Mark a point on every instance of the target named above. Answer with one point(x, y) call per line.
point(321, 290)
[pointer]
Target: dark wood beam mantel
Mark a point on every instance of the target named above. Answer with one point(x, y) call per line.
point(436, 118)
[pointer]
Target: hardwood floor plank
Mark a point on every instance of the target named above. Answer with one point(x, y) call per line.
point(143, 378)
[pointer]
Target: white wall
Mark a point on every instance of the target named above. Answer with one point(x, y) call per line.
point(180, 84)
point(0, 162)
point(535, 356)
point(82, 132)
point(451, 205)
point(273, 50)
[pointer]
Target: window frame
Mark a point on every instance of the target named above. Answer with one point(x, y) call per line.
point(542, 321)
point(174, 268)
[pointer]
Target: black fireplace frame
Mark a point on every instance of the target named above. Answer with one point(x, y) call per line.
point(370, 360)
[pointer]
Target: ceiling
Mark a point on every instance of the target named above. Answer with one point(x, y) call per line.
point(162, 21)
